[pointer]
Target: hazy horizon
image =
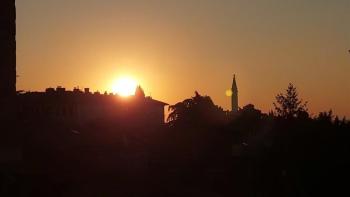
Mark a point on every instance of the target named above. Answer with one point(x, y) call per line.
point(173, 48)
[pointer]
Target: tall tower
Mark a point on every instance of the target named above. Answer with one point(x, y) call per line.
point(234, 97)
point(7, 48)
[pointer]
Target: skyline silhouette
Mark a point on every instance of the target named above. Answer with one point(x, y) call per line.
point(12, 80)
point(175, 47)
point(82, 142)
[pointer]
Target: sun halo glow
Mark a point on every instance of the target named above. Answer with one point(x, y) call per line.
point(124, 86)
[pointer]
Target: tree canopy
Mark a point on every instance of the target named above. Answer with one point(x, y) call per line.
point(196, 110)
point(289, 105)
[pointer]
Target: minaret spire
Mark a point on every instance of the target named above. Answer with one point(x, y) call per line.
point(234, 97)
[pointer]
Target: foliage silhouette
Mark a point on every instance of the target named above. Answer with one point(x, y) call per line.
point(288, 105)
point(198, 110)
point(203, 149)
point(326, 117)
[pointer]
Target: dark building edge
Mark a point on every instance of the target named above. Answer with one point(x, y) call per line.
point(7, 48)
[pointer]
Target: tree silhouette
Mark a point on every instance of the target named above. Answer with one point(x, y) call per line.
point(247, 123)
point(288, 105)
point(326, 117)
point(195, 111)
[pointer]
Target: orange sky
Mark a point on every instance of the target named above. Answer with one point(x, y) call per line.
point(176, 47)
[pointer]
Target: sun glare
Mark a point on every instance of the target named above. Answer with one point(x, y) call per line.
point(229, 93)
point(124, 86)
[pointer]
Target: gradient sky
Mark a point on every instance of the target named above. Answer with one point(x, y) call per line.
point(174, 47)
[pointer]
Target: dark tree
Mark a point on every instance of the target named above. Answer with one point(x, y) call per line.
point(247, 123)
point(326, 117)
point(198, 110)
point(288, 105)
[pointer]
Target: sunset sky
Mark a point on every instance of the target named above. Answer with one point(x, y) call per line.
point(174, 47)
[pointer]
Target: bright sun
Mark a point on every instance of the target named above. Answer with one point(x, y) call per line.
point(124, 86)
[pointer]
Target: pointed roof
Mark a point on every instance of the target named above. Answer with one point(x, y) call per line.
point(234, 84)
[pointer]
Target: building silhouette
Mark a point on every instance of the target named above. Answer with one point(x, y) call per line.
point(58, 104)
point(7, 48)
point(76, 107)
point(234, 96)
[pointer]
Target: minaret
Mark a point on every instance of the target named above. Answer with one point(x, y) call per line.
point(7, 48)
point(234, 97)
